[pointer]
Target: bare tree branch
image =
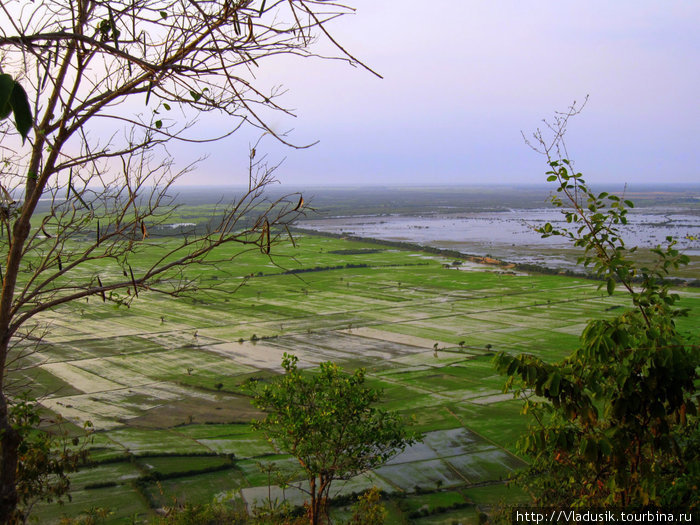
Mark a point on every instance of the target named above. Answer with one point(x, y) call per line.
point(91, 185)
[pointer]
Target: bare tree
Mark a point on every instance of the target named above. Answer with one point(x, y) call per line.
point(93, 178)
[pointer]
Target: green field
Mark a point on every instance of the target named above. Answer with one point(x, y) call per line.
point(163, 380)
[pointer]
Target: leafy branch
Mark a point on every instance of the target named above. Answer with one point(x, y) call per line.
point(617, 419)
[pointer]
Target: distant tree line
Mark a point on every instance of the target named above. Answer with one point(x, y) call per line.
point(337, 267)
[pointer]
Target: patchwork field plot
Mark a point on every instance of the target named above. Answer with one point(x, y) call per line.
point(164, 381)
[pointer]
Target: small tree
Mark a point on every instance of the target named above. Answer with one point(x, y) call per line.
point(329, 421)
point(615, 421)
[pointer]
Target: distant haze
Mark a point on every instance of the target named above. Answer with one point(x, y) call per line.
point(344, 201)
point(462, 79)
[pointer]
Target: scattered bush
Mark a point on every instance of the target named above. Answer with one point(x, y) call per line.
point(100, 485)
point(369, 510)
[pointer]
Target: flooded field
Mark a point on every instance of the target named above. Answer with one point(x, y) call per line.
point(165, 385)
point(510, 235)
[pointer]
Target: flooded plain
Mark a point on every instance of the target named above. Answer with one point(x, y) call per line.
point(510, 235)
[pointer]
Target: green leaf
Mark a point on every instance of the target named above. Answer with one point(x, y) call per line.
point(551, 178)
point(22, 111)
point(531, 374)
point(552, 383)
point(196, 96)
point(166, 106)
point(6, 85)
point(163, 15)
point(611, 286)
point(159, 124)
point(512, 367)
point(148, 93)
point(591, 450)
point(13, 99)
point(583, 445)
point(605, 447)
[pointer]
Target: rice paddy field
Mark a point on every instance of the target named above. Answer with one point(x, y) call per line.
point(163, 381)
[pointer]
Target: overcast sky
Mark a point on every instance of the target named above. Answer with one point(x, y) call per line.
point(463, 78)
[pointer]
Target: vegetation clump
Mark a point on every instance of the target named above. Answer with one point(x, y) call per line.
point(328, 420)
point(616, 421)
point(46, 459)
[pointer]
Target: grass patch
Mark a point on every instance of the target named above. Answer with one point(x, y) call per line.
point(123, 501)
point(503, 493)
point(195, 489)
point(142, 442)
point(431, 502)
point(170, 465)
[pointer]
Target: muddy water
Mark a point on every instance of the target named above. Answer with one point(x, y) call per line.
point(511, 235)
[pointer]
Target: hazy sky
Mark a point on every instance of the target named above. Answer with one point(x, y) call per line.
point(462, 78)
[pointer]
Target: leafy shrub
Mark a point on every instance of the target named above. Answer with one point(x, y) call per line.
point(616, 421)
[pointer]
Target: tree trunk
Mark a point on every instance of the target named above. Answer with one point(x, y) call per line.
point(9, 445)
point(318, 508)
point(325, 485)
point(313, 507)
point(10, 439)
